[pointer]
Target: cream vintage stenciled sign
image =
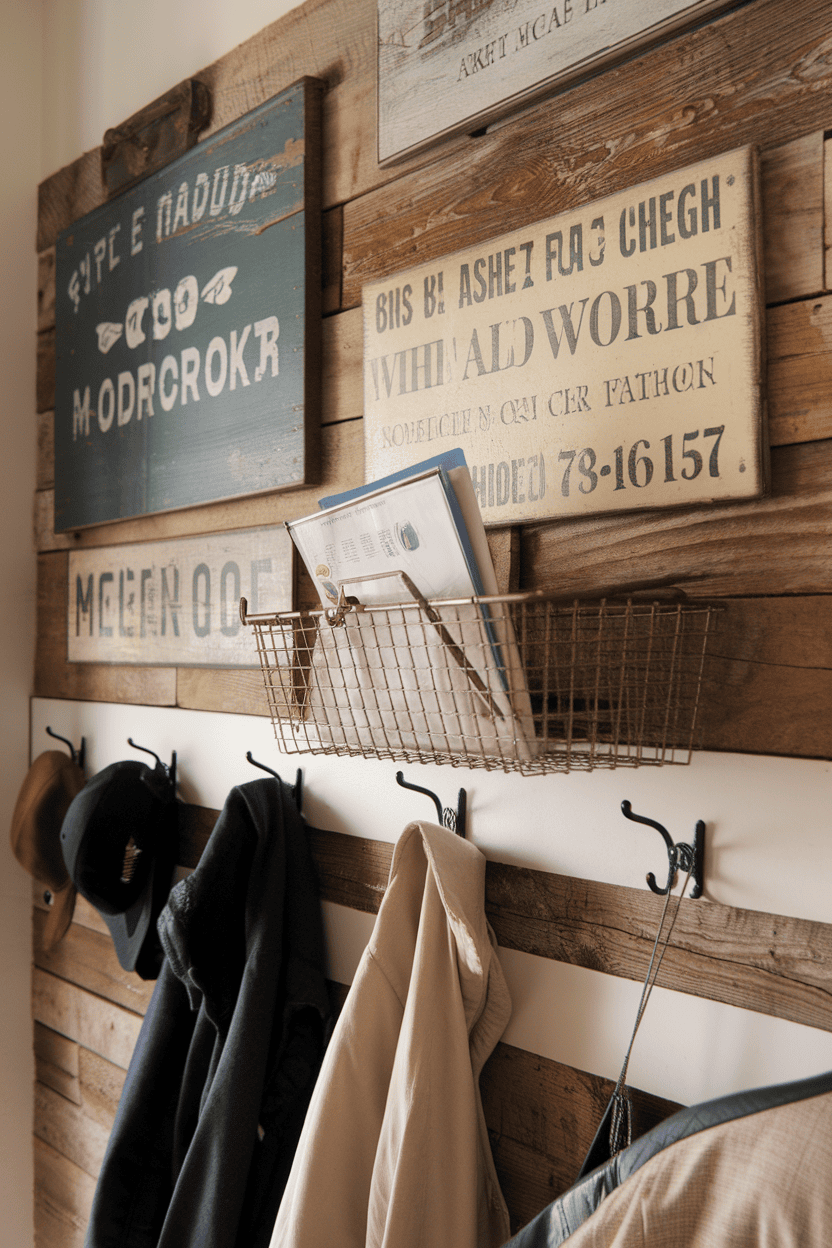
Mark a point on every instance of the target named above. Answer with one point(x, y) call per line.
point(446, 66)
point(606, 359)
point(176, 603)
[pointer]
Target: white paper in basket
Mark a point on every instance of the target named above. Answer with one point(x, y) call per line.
point(394, 681)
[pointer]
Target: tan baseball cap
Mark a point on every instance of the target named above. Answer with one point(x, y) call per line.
point(51, 783)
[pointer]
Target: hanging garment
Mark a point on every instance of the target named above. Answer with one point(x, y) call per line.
point(751, 1170)
point(231, 1044)
point(394, 1151)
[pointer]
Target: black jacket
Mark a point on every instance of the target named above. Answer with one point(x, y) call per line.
point(230, 1047)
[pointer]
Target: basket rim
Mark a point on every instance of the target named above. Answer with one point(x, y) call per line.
point(621, 600)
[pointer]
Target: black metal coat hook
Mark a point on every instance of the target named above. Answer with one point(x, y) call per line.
point(454, 820)
point(297, 791)
point(77, 756)
point(170, 772)
point(681, 857)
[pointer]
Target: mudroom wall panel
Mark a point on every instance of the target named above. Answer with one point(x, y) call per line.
point(762, 782)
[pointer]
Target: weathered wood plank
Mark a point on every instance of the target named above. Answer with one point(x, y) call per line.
point(66, 1128)
point(45, 379)
point(342, 366)
point(774, 545)
point(46, 289)
point(744, 78)
point(767, 963)
point(56, 1063)
point(792, 195)
point(45, 466)
point(332, 259)
point(94, 682)
point(67, 195)
point(799, 371)
point(88, 959)
point(769, 654)
point(771, 964)
point(342, 451)
point(106, 1029)
point(542, 1117)
point(827, 213)
point(63, 1199)
point(214, 689)
point(101, 1083)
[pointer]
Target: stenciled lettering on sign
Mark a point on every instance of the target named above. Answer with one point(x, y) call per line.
point(445, 64)
point(176, 602)
point(609, 354)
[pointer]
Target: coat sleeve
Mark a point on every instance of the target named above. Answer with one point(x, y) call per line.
point(327, 1195)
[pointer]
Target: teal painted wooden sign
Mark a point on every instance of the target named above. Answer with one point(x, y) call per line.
point(186, 316)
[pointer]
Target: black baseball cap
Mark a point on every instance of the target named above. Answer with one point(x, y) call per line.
point(119, 844)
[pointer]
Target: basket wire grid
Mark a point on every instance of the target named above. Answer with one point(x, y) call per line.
point(521, 682)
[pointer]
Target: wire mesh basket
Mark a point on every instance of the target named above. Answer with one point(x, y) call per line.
point(519, 682)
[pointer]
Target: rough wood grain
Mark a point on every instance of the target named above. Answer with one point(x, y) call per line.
point(56, 1063)
point(214, 689)
point(744, 78)
point(332, 253)
point(45, 380)
point(94, 682)
point(63, 1199)
point(342, 365)
point(101, 1083)
point(799, 371)
point(827, 213)
point(99, 1025)
point(88, 959)
point(768, 658)
point(46, 289)
point(66, 1128)
point(774, 545)
point(542, 1117)
point(767, 963)
point(792, 195)
point(45, 465)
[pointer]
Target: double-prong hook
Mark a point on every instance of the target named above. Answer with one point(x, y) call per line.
point(681, 856)
point(449, 818)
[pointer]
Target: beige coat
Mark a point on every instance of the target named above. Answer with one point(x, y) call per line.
point(764, 1181)
point(394, 1151)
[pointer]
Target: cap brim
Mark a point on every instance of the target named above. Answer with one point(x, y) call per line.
point(134, 934)
point(59, 914)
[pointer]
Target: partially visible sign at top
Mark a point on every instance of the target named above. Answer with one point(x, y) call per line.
point(185, 311)
point(607, 359)
point(451, 65)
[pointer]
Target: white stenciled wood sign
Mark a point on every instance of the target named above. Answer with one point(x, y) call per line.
point(451, 65)
point(604, 360)
point(176, 603)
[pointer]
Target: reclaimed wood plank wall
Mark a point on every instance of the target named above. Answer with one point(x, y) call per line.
point(745, 77)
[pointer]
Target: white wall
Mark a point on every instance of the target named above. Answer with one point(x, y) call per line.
point(20, 162)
